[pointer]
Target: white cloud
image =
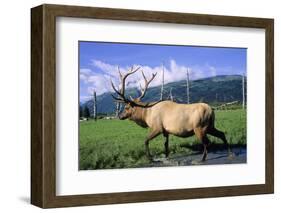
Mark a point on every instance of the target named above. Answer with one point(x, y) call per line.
point(85, 74)
point(100, 80)
point(213, 70)
point(107, 68)
point(84, 98)
point(100, 83)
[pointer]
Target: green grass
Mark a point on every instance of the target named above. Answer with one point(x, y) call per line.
point(108, 144)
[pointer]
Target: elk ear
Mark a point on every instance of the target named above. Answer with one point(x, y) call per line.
point(135, 99)
point(131, 104)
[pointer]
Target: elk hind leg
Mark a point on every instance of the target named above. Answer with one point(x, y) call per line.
point(201, 135)
point(219, 134)
point(206, 142)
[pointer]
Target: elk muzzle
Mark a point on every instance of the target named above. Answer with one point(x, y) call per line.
point(123, 116)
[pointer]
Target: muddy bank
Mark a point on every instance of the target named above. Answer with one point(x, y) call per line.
point(214, 157)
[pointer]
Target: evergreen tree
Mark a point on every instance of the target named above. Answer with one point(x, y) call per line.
point(80, 111)
point(86, 112)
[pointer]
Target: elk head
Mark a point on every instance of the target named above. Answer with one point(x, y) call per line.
point(133, 103)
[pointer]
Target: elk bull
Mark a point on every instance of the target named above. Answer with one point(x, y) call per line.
point(167, 117)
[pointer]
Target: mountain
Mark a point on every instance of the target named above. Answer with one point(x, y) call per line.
point(213, 90)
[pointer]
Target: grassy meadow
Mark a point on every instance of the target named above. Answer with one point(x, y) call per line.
point(107, 144)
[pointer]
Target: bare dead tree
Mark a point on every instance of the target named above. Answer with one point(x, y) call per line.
point(171, 94)
point(187, 86)
point(94, 105)
point(118, 104)
point(117, 109)
point(162, 85)
point(243, 91)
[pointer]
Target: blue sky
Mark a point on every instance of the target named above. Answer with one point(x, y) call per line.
point(98, 63)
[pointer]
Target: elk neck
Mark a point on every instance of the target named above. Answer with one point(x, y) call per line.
point(139, 116)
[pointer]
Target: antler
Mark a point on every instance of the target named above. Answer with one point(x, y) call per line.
point(143, 90)
point(121, 91)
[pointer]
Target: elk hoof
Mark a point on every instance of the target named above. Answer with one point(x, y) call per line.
point(231, 156)
point(196, 162)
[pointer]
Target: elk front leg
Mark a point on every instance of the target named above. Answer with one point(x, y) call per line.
point(151, 135)
point(166, 135)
